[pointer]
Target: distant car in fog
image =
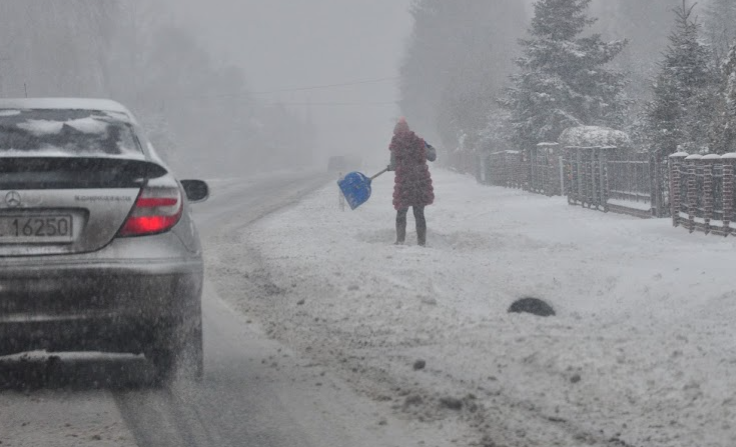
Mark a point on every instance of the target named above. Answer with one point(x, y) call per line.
point(98, 251)
point(344, 163)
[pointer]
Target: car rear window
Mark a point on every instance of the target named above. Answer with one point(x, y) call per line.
point(66, 133)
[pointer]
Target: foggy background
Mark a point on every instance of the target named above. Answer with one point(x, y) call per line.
point(284, 44)
point(225, 86)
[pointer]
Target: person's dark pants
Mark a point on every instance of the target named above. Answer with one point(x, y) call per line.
point(421, 225)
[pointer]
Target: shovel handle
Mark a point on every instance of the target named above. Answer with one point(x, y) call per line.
point(382, 172)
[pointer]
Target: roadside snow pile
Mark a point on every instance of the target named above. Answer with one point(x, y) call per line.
point(640, 353)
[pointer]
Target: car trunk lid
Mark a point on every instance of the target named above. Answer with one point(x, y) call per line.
point(61, 204)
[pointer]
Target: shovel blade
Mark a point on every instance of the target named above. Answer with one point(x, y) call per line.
point(356, 188)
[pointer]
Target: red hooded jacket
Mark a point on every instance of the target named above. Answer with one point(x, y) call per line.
point(413, 184)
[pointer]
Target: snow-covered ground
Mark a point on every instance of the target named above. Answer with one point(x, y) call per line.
point(641, 352)
point(49, 418)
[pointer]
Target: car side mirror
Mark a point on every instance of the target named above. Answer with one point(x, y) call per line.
point(196, 190)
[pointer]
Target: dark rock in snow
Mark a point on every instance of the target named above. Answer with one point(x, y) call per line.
point(300, 302)
point(413, 400)
point(271, 289)
point(533, 306)
point(419, 364)
point(451, 403)
point(576, 378)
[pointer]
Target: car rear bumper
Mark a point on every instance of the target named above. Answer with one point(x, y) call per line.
point(83, 303)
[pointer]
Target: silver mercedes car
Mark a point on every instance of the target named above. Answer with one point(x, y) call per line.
point(98, 250)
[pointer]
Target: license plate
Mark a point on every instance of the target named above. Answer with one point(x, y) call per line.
point(36, 229)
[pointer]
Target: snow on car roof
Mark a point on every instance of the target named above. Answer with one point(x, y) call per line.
point(106, 105)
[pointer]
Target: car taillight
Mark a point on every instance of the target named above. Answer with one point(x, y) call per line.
point(157, 210)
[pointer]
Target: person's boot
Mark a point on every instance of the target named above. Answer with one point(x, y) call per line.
point(421, 236)
point(400, 233)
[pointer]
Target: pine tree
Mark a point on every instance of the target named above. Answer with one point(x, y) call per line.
point(679, 115)
point(720, 23)
point(646, 23)
point(563, 78)
point(723, 127)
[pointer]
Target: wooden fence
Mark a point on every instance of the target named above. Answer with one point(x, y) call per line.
point(601, 178)
point(546, 169)
point(508, 169)
point(586, 174)
point(638, 184)
point(702, 192)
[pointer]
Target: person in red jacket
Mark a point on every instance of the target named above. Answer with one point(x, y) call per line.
point(413, 185)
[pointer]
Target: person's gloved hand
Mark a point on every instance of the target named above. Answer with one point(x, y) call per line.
point(390, 168)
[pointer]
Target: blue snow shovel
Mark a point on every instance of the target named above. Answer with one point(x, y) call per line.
point(356, 188)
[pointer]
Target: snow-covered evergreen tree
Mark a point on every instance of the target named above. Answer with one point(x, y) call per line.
point(720, 23)
point(723, 127)
point(646, 23)
point(679, 116)
point(563, 78)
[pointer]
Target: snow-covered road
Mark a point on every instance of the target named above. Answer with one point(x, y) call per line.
point(641, 352)
point(314, 323)
point(256, 391)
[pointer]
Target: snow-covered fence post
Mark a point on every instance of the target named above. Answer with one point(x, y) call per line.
point(561, 161)
point(517, 167)
point(656, 184)
point(595, 175)
point(708, 163)
point(728, 161)
point(550, 174)
point(603, 169)
point(509, 169)
point(692, 188)
point(576, 193)
point(573, 183)
point(676, 162)
point(496, 169)
point(547, 169)
point(524, 170)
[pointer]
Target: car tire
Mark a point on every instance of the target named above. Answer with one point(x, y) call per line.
point(179, 354)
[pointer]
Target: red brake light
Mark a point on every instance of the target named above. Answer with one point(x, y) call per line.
point(144, 202)
point(157, 210)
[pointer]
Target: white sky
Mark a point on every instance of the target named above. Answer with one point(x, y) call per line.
point(293, 43)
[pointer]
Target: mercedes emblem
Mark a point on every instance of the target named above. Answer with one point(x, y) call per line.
point(12, 199)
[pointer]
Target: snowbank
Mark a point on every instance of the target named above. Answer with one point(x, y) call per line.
point(642, 349)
